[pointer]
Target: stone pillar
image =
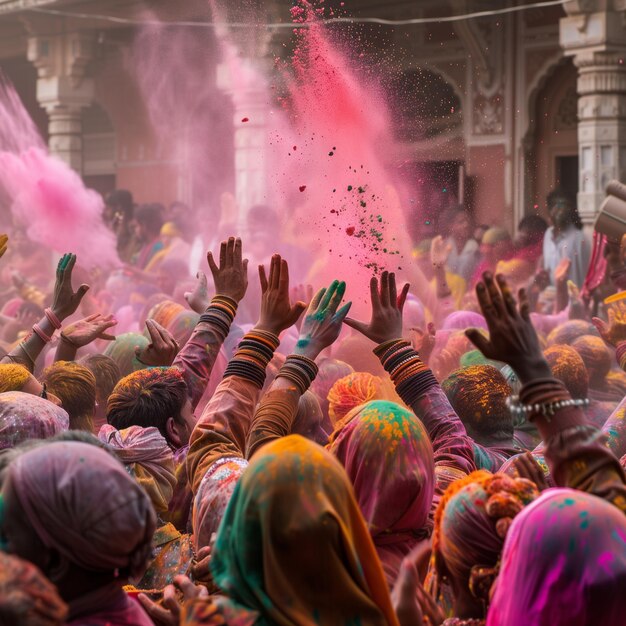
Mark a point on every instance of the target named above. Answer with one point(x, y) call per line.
point(597, 41)
point(243, 80)
point(63, 90)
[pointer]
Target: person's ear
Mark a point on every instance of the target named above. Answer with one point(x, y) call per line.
point(174, 434)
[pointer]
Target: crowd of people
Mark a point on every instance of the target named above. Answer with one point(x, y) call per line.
point(242, 450)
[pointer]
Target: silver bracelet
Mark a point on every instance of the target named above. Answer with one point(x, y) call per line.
point(547, 409)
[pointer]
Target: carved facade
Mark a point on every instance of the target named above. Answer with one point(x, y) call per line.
point(528, 100)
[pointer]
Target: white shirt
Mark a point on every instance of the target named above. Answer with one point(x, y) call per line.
point(571, 243)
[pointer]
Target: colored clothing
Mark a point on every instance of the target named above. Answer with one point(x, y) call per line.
point(293, 546)
point(563, 563)
point(388, 457)
point(573, 244)
point(462, 262)
point(82, 503)
point(25, 416)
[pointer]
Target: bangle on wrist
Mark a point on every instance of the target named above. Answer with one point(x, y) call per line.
point(52, 318)
point(41, 334)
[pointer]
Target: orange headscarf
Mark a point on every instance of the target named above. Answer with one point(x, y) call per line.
point(352, 391)
point(293, 546)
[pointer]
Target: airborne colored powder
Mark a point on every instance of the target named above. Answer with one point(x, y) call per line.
point(350, 212)
point(46, 196)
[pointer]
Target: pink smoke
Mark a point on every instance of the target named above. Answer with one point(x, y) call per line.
point(47, 197)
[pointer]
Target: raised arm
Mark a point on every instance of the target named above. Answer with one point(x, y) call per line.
point(574, 449)
point(65, 302)
point(82, 333)
point(197, 357)
point(414, 381)
point(321, 327)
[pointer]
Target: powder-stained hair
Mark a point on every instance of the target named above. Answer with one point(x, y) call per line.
point(106, 371)
point(148, 398)
point(75, 386)
point(13, 377)
point(478, 394)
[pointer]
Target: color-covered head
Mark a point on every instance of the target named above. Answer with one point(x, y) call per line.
point(567, 332)
point(25, 416)
point(153, 397)
point(388, 457)
point(478, 394)
point(73, 503)
point(563, 564)
point(597, 358)
point(75, 386)
point(352, 391)
point(293, 544)
point(567, 365)
point(471, 523)
point(123, 352)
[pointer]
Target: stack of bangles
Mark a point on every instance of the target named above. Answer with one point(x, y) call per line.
point(544, 396)
point(300, 370)
point(253, 354)
point(55, 322)
point(221, 313)
point(410, 375)
point(620, 354)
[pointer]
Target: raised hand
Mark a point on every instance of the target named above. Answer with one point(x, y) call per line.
point(615, 331)
point(167, 613)
point(277, 312)
point(231, 277)
point(424, 342)
point(387, 305)
point(439, 251)
point(302, 293)
point(65, 299)
point(512, 337)
point(561, 272)
point(85, 331)
point(526, 466)
point(198, 299)
point(323, 320)
point(3, 244)
point(162, 349)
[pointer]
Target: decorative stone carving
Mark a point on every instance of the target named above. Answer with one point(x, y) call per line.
point(488, 118)
point(566, 116)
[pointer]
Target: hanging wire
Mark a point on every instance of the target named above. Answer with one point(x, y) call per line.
point(332, 20)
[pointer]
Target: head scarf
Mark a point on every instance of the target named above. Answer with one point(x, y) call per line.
point(183, 325)
point(389, 459)
point(24, 416)
point(352, 391)
point(27, 597)
point(564, 563)
point(293, 545)
point(213, 497)
point(596, 357)
point(122, 351)
point(567, 365)
point(81, 502)
point(147, 457)
point(471, 522)
point(567, 332)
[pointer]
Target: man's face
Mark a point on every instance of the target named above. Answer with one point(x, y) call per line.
point(188, 421)
point(559, 212)
point(461, 227)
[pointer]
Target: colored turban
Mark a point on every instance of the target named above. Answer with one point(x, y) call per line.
point(567, 365)
point(596, 357)
point(567, 332)
point(471, 523)
point(24, 416)
point(164, 312)
point(82, 503)
point(148, 458)
point(478, 394)
point(352, 391)
point(515, 270)
point(122, 351)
